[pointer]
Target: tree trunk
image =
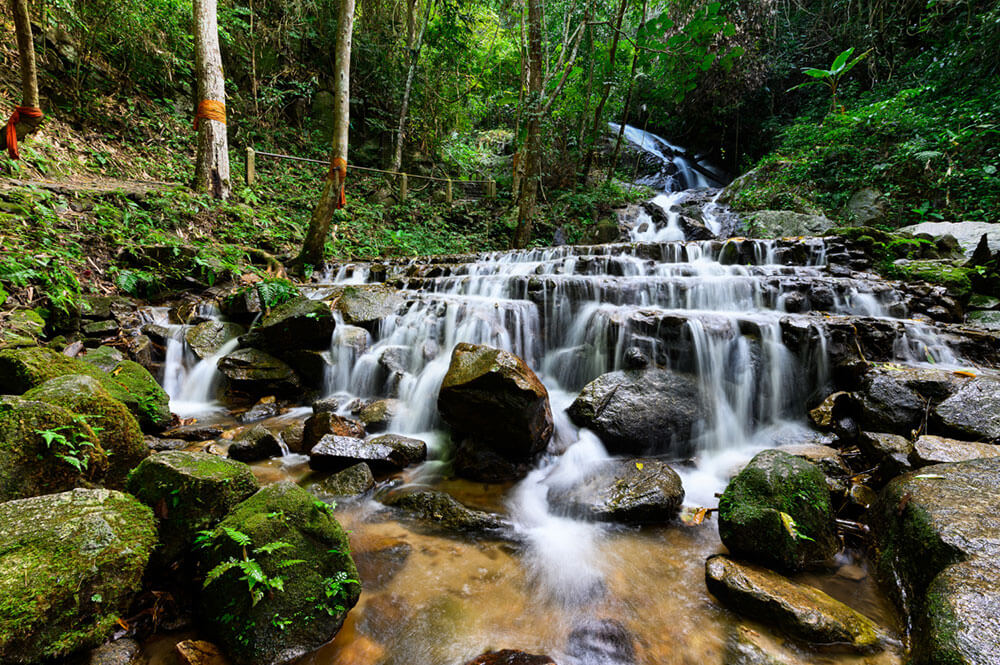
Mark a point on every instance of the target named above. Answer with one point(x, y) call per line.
point(599, 111)
point(212, 167)
point(533, 141)
point(329, 200)
point(29, 76)
point(628, 100)
point(397, 157)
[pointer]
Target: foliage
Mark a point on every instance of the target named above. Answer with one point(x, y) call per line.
point(259, 584)
point(72, 448)
point(831, 77)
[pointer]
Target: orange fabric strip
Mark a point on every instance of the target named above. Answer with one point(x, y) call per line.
point(209, 109)
point(339, 164)
point(31, 112)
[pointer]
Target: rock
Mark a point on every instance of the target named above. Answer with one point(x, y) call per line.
point(836, 406)
point(643, 491)
point(158, 444)
point(325, 423)
point(352, 481)
point(378, 415)
point(266, 407)
point(972, 411)
point(937, 450)
point(983, 302)
point(826, 459)
point(888, 405)
point(802, 611)
point(311, 365)
point(292, 434)
point(784, 223)
point(510, 657)
point(199, 652)
point(604, 641)
point(961, 622)
point(72, 563)
point(987, 319)
point(493, 398)
point(413, 451)
point(278, 624)
point(777, 512)
point(472, 460)
point(967, 233)
point(866, 207)
point(255, 444)
point(852, 572)
point(334, 453)
point(355, 338)
point(366, 305)
point(103, 307)
point(195, 432)
point(101, 329)
point(29, 465)
point(124, 651)
point(443, 511)
point(888, 450)
point(117, 430)
point(22, 327)
point(205, 339)
point(300, 323)
point(379, 560)
point(255, 371)
point(635, 358)
point(189, 492)
point(326, 405)
point(747, 646)
point(641, 412)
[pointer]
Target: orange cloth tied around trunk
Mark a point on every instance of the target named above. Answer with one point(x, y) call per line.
point(19, 111)
point(209, 109)
point(339, 164)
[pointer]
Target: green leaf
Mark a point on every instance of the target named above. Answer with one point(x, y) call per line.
point(707, 62)
point(816, 73)
point(219, 571)
point(841, 60)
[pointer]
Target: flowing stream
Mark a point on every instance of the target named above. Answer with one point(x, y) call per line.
point(573, 313)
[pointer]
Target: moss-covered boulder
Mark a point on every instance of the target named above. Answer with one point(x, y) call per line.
point(296, 324)
point(44, 448)
point(190, 492)
point(366, 305)
point(70, 564)
point(127, 381)
point(116, 427)
point(22, 327)
point(303, 585)
point(777, 512)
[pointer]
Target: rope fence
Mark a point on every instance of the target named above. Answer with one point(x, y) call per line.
point(453, 189)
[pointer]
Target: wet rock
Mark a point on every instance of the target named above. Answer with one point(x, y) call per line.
point(641, 412)
point(777, 512)
point(494, 399)
point(255, 444)
point(378, 415)
point(29, 465)
point(199, 652)
point(442, 510)
point(309, 364)
point(354, 338)
point(937, 450)
point(255, 371)
point(205, 339)
point(380, 560)
point(318, 590)
point(366, 305)
point(292, 435)
point(352, 481)
point(603, 641)
point(961, 622)
point(747, 646)
point(891, 451)
point(300, 323)
point(644, 491)
point(74, 560)
point(333, 453)
point(266, 407)
point(826, 459)
point(472, 460)
point(324, 423)
point(101, 329)
point(636, 359)
point(413, 451)
point(125, 651)
point(972, 411)
point(784, 223)
point(157, 444)
point(833, 408)
point(889, 405)
point(326, 405)
point(510, 657)
point(802, 611)
point(195, 432)
point(189, 492)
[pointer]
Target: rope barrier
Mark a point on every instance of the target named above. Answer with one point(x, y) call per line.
point(31, 112)
point(365, 168)
point(210, 109)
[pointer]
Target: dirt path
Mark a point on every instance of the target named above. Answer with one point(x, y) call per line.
point(84, 185)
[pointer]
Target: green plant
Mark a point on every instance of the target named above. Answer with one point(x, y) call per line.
point(258, 582)
point(831, 77)
point(69, 444)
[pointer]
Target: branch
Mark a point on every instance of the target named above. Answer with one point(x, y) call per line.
point(631, 41)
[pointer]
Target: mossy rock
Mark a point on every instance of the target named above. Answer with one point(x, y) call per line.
point(284, 523)
point(365, 305)
point(22, 327)
point(116, 427)
point(70, 564)
point(190, 492)
point(777, 512)
point(206, 338)
point(298, 323)
point(128, 382)
point(28, 465)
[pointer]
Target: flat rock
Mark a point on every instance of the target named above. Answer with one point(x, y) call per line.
point(443, 510)
point(972, 412)
point(366, 305)
point(937, 450)
point(334, 453)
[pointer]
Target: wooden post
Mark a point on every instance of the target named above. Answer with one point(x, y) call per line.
point(447, 192)
point(251, 166)
point(491, 188)
point(402, 186)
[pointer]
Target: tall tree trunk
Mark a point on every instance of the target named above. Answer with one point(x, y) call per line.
point(29, 77)
point(211, 172)
point(329, 200)
point(397, 157)
point(533, 140)
point(608, 79)
point(628, 99)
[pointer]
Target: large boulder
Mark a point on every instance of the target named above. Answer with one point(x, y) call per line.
point(323, 423)
point(190, 492)
point(45, 448)
point(443, 511)
point(968, 234)
point(352, 481)
point(117, 430)
point(366, 305)
point(866, 207)
point(296, 324)
point(378, 415)
point(206, 338)
point(492, 398)
point(641, 411)
point(972, 411)
point(800, 610)
point(784, 223)
point(383, 454)
point(70, 563)
point(642, 491)
point(257, 372)
point(304, 580)
point(777, 512)
point(255, 444)
point(895, 399)
point(937, 533)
